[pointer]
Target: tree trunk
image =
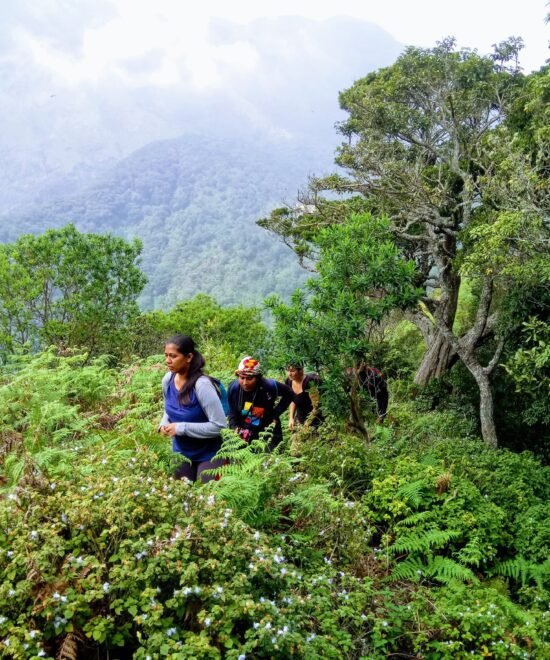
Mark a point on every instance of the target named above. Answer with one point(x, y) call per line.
point(486, 409)
point(465, 348)
point(356, 414)
point(436, 360)
point(440, 351)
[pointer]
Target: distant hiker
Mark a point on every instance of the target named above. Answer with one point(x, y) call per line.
point(372, 381)
point(256, 403)
point(305, 405)
point(193, 413)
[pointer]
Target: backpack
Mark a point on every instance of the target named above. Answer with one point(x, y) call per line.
point(221, 392)
point(270, 386)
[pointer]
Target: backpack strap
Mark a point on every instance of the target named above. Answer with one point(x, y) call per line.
point(271, 387)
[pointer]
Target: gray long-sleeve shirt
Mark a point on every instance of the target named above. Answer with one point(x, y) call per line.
point(210, 403)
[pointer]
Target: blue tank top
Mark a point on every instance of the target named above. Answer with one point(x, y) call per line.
point(195, 449)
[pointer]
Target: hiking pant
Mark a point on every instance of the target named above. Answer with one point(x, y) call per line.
point(193, 471)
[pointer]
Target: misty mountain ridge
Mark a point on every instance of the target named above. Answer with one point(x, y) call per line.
point(186, 170)
point(193, 201)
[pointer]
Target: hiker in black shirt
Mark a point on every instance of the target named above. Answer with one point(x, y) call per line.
point(372, 381)
point(256, 403)
point(304, 403)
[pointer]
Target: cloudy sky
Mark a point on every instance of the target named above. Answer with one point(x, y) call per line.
point(90, 81)
point(164, 42)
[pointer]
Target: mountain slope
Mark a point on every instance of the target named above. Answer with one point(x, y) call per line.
point(193, 201)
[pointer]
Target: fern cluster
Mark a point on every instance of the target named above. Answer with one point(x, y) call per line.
point(396, 546)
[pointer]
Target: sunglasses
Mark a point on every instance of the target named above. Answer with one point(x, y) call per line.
point(244, 377)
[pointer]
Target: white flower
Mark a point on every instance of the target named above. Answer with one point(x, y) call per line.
point(9, 553)
point(207, 621)
point(52, 486)
point(11, 593)
point(255, 625)
point(171, 631)
point(106, 587)
point(256, 536)
point(33, 634)
point(211, 499)
point(34, 535)
point(311, 637)
point(268, 626)
point(41, 653)
point(283, 571)
point(2, 620)
point(242, 657)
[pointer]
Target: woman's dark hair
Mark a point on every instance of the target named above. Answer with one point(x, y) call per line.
point(295, 365)
point(186, 345)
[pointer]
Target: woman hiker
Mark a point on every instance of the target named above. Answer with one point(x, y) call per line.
point(193, 413)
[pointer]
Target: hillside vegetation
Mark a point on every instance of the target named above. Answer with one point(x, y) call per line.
point(423, 533)
point(193, 203)
point(422, 542)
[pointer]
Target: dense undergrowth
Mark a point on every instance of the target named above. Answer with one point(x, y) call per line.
point(421, 543)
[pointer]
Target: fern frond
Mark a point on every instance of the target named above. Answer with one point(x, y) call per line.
point(438, 568)
point(446, 570)
point(413, 492)
point(309, 500)
point(524, 571)
point(69, 647)
point(411, 569)
point(423, 540)
point(416, 518)
point(250, 477)
point(430, 460)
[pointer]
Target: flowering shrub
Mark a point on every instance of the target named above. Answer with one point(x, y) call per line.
point(128, 557)
point(340, 548)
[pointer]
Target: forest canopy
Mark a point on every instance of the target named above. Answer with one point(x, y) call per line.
point(453, 147)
